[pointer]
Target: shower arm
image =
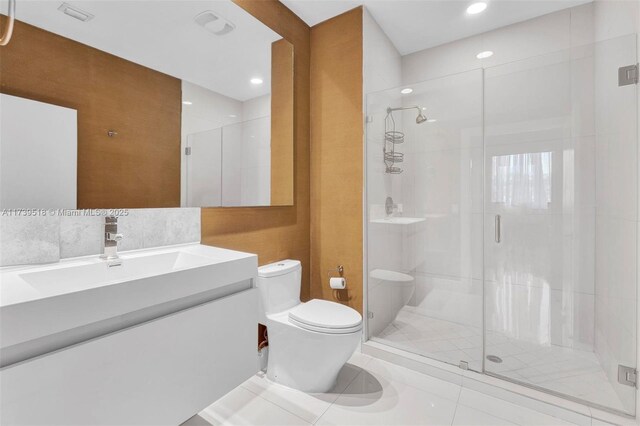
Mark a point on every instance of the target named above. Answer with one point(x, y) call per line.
point(8, 30)
point(419, 119)
point(389, 110)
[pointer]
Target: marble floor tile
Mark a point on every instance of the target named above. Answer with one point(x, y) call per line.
point(569, 371)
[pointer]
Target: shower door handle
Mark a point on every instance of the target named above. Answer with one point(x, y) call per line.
point(497, 228)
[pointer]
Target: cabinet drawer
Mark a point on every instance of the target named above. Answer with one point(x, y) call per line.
point(159, 372)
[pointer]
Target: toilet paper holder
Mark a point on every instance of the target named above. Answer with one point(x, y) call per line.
point(339, 269)
point(338, 282)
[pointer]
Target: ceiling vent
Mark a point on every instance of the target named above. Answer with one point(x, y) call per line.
point(74, 12)
point(213, 23)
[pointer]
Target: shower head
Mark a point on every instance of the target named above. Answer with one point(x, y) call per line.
point(421, 118)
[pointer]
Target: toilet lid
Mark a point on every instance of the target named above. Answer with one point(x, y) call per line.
point(326, 317)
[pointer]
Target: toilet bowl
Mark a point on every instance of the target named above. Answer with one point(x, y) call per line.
point(310, 342)
point(399, 289)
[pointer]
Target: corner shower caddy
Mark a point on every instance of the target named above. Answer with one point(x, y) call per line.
point(392, 137)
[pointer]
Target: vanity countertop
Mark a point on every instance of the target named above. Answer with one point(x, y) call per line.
point(26, 283)
point(44, 307)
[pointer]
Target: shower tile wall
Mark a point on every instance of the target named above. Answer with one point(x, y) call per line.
point(381, 71)
point(444, 186)
point(443, 178)
point(540, 286)
point(443, 167)
point(384, 242)
point(524, 92)
point(571, 116)
point(616, 212)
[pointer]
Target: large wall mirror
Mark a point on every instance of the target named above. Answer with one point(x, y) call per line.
point(143, 104)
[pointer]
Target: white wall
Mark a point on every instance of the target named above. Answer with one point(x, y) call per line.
point(38, 155)
point(256, 108)
point(382, 70)
point(381, 60)
point(256, 164)
point(246, 156)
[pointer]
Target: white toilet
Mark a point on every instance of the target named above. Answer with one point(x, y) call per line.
point(308, 342)
point(399, 289)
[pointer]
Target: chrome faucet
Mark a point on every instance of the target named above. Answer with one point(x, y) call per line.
point(390, 207)
point(111, 238)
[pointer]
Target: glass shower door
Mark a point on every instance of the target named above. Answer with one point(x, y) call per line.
point(424, 219)
point(560, 223)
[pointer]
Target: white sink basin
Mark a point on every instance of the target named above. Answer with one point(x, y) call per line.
point(95, 274)
point(43, 308)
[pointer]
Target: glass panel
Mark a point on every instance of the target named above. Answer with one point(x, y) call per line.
point(246, 163)
point(230, 166)
point(522, 180)
point(204, 168)
point(561, 174)
point(425, 218)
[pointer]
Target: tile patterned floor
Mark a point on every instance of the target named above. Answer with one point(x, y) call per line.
point(568, 371)
point(369, 392)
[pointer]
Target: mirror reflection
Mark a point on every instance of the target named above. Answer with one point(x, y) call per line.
point(164, 112)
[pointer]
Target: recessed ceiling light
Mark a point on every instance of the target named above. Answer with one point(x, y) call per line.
point(406, 91)
point(476, 8)
point(256, 80)
point(232, 116)
point(485, 54)
point(74, 12)
point(187, 103)
point(431, 120)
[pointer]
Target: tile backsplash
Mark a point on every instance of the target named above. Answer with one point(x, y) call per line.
point(25, 239)
point(29, 240)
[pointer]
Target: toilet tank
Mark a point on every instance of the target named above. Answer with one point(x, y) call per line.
point(279, 287)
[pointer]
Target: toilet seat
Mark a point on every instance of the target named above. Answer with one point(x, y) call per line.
point(326, 317)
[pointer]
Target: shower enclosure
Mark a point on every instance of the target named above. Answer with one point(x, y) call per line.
point(507, 244)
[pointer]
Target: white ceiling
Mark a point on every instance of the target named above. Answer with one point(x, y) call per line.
point(414, 25)
point(162, 35)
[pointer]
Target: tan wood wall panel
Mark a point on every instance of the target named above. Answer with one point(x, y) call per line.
point(281, 123)
point(138, 168)
point(275, 233)
point(337, 156)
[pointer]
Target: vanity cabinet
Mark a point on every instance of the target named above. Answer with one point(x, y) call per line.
point(159, 372)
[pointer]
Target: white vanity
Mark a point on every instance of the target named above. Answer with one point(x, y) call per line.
point(153, 339)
